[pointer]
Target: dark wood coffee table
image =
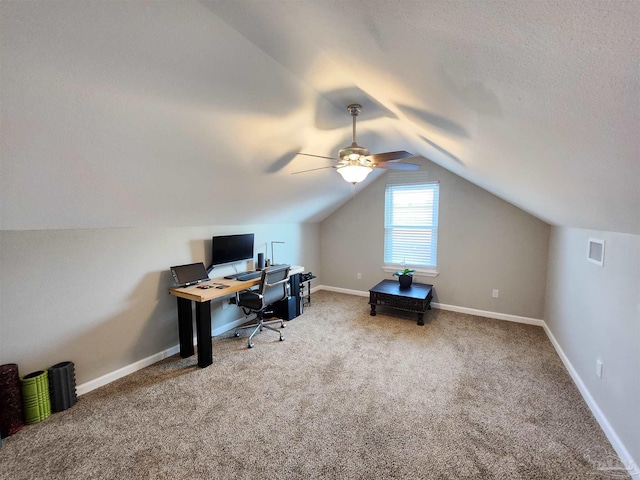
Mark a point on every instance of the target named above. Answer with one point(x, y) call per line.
point(416, 298)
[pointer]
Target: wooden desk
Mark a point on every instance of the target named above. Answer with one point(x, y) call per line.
point(202, 299)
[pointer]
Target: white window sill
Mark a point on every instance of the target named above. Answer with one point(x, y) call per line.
point(419, 272)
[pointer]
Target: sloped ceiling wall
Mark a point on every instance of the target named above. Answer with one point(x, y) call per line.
point(188, 113)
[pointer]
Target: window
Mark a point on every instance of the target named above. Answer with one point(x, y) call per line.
point(411, 225)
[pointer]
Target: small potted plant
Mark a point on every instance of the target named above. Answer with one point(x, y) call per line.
point(405, 277)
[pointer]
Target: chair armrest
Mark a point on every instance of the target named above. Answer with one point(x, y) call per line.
point(277, 283)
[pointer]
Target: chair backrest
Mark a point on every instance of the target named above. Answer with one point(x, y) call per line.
point(274, 283)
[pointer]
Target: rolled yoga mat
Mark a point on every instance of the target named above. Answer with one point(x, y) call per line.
point(35, 396)
point(62, 386)
point(10, 400)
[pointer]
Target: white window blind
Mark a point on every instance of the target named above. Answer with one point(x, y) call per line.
point(411, 224)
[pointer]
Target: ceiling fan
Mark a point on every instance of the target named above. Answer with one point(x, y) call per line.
point(355, 162)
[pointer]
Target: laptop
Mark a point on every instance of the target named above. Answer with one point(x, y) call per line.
point(191, 274)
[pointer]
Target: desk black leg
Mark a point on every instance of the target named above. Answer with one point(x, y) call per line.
point(185, 327)
point(203, 331)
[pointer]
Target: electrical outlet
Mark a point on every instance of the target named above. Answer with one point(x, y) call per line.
point(599, 368)
point(359, 275)
point(496, 293)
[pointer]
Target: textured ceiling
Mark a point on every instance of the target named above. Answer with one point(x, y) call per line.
point(136, 113)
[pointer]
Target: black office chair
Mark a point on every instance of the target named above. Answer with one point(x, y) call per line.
point(274, 286)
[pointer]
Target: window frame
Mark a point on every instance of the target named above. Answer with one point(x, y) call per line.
point(420, 270)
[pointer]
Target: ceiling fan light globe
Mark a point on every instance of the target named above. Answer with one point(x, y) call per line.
point(354, 173)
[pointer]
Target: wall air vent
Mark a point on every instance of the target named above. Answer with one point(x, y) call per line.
point(596, 251)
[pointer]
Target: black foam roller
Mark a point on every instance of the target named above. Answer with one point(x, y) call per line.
point(62, 386)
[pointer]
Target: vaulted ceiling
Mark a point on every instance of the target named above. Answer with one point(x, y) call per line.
point(183, 113)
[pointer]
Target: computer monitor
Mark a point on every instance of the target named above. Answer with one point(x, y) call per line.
point(231, 248)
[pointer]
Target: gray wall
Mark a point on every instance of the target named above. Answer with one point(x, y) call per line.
point(594, 313)
point(99, 297)
point(484, 243)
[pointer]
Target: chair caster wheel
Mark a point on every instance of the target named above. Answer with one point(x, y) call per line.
point(283, 325)
point(237, 334)
point(250, 345)
point(281, 338)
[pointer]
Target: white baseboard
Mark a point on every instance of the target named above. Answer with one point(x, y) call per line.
point(612, 436)
point(124, 371)
point(496, 315)
point(341, 290)
point(452, 308)
point(150, 360)
point(228, 326)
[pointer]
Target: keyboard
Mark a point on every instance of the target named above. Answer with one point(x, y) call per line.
point(248, 276)
point(233, 276)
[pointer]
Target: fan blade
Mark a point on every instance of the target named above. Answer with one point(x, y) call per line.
point(313, 170)
point(319, 156)
point(398, 166)
point(388, 156)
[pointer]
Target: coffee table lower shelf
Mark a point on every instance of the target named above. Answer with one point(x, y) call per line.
point(415, 299)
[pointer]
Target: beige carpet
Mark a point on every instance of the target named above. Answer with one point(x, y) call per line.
point(345, 396)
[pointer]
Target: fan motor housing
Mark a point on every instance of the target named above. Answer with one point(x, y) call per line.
point(354, 149)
